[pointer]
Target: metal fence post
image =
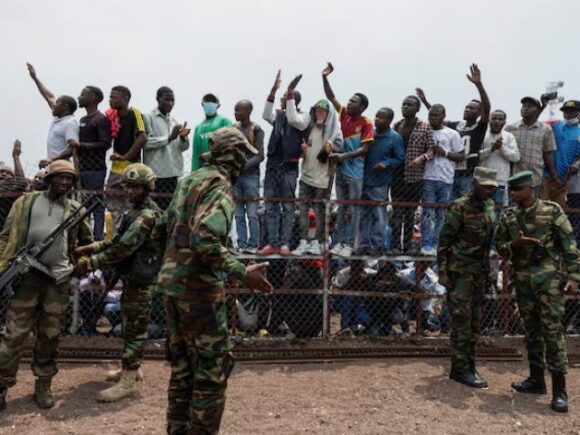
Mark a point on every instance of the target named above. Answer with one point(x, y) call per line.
point(326, 271)
point(74, 325)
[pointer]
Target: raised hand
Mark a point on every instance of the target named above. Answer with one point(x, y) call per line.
point(419, 92)
point(328, 69)
point(294, 82)
point(277, 82)
point(16, 149)
point(31, 70)
point(474, 75)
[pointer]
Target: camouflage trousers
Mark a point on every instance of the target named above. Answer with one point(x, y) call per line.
point(40, 306)
point(542, 310)
point(135, 311)
point(465, 301)
point(201, 362)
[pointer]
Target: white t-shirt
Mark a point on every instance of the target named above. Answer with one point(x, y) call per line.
point(440, 168)
point(501, 159)
point(60, 132)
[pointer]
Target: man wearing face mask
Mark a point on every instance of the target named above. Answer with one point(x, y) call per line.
point(202, 133)
point(566, 157)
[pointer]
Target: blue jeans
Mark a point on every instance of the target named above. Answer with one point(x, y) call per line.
point(95, 180)
point(432, 219)
point(347, 188)
point(280, 182)
point(247, 185)
point(461, 186)
point(374, 219)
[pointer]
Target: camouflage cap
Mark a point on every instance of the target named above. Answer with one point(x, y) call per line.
point(485, 176)
point(521, 179)
point(322, 104)
point(138, 173)
point(230, 138)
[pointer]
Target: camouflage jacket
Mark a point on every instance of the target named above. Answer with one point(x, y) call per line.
point(196, 226)
point(15, 231)
point(137, 225)
point(465, 238)
point(547, 222)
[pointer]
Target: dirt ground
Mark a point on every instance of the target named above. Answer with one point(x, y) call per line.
point(398, 396)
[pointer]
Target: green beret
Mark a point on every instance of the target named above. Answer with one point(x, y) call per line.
point(521, 179)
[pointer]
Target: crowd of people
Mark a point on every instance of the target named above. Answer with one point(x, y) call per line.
point(170, 231)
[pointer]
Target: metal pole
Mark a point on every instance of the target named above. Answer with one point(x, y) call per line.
point(74, 326)
point(326, 271)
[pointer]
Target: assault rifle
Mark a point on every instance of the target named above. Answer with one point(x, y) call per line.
point(27, 259)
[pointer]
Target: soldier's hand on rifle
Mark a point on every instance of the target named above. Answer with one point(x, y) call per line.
point(256, 279)
point(83, 266)
point(524, 241)
point(571, 287)
point(444, 279)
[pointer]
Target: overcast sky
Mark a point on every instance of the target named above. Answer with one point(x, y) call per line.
point(233, 48)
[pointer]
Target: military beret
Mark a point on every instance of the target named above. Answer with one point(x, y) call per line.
point(485, 176)
point(521, 179)
point(570, 105)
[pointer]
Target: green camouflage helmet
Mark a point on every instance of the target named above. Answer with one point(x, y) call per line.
point(138, 173)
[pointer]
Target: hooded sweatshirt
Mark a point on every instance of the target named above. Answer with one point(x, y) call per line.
point(315, 172)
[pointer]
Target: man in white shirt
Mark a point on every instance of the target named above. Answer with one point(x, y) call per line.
point(438, 177)
point(64, 128)
point(498, 152)
point(166, 142)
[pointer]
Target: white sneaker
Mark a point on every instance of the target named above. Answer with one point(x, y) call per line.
point(302, 248)
point(346, 251)
point(337, 248)
point(315, 248)
point(250, 250)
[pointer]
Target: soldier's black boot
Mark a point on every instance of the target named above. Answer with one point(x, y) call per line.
point(559, 395)
point(467, 377)
point(3, 391)
point(476, 374)
point(43, 395)
point(534, 384)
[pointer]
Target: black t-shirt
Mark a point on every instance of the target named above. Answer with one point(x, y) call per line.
point(131, 126)
point(95, 133)
point(472, 137)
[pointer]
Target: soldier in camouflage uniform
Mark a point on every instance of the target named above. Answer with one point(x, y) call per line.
point(196, 226)
point(464, 246)
point(537, 237)
point(132, 252)
point(38, 303)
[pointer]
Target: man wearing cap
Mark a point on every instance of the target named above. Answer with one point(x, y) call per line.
point(566, 159)
point(537, 238)
point(536, 143)
point(202, 132)
point(38, 302)
point(464, 245)
point(135, 256)
point(195, 228)
point(325, 137)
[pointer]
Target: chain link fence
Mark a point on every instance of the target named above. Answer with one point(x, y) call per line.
point(353, 267)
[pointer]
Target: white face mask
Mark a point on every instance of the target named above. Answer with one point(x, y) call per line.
point(572, 122)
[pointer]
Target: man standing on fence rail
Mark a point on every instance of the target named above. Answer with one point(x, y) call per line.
point(537, 237)
point(38, 302)
point(196, 226)
point(133, 253)
point(463, 255)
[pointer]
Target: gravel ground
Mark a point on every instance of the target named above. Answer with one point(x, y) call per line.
point(398, 396)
